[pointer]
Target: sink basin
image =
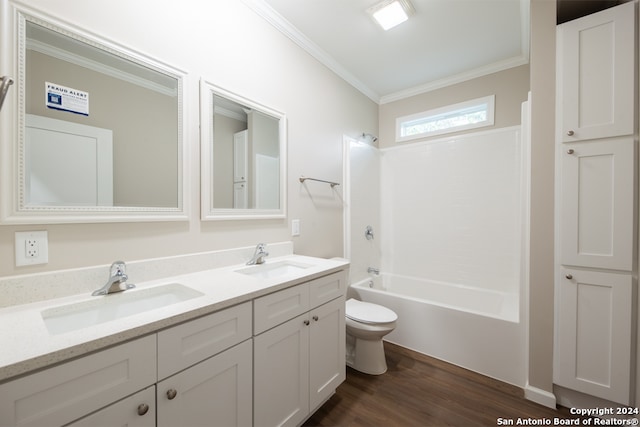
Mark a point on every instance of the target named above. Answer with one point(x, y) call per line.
point(71, 317)
point(277, 269)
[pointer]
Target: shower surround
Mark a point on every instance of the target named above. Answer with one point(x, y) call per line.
point(449, 216)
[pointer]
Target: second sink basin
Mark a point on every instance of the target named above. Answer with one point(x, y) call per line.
point(103, 309)
point(277, 269)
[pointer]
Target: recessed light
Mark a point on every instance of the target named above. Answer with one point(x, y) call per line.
point(390, 13)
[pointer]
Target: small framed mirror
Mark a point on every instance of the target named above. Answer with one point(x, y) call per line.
point(243, 153)
point(97, 134)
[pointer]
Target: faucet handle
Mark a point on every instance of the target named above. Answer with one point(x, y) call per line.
point(118, 268)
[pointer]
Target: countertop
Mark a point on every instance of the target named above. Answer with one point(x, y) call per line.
point(27, 345)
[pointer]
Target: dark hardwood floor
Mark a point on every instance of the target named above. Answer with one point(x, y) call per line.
point(418, 390)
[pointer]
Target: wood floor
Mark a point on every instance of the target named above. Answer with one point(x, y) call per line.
point(418, 390)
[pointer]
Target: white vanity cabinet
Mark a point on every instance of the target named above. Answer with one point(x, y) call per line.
point(596, 211)
point(299, 363)
point(211, 390)
point(67, 392)
point(221, 369)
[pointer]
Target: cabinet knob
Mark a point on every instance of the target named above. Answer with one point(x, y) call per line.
point(570, 151)
point(570, 133)
point(315, 318)
point(171, 394)
point(306, 322)
point(569, 276)
point(143, 408)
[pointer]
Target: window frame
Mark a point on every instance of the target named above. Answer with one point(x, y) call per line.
point(441, 111)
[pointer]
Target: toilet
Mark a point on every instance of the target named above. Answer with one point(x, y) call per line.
point(367, 323)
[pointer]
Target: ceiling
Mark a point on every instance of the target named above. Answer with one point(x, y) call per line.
point(444, 42)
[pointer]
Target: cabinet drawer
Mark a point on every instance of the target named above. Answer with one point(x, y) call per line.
point(187, 344)
point(66, 392)
point(128, 412)
point(278, 307)
point(326, 288)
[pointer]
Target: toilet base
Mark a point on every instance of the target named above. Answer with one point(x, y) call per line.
point(366, 356)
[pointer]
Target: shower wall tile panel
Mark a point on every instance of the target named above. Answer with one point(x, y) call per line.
point(452, 210)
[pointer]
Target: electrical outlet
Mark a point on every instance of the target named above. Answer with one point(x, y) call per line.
point(295, 227)
point(31, 248)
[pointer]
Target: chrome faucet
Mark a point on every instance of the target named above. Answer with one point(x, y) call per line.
point(372, 270)
point(117, 280)
point(258, 255)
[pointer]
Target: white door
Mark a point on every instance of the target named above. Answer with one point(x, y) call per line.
point(593, 335)
point(595, 60)
point(596, 204)
point(327, 367)
point(215, 392)
point(281, 374)
point(67, 164)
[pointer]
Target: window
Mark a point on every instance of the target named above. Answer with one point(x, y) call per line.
point(452, 118)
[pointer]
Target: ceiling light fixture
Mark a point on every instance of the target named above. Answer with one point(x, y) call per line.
point(390, 13)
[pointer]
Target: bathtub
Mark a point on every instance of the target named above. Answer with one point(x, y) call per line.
point(469, 327)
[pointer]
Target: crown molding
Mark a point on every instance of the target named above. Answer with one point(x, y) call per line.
point(457, 78)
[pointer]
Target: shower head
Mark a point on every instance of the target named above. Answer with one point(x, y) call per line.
point(367, 137)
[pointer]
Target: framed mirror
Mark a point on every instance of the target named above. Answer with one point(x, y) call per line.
point(96, 134)
point(243, 153)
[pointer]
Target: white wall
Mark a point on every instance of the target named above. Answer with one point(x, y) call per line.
point(228, 44)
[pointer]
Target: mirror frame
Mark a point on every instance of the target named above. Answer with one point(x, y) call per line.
point(207, 174)
point(13, 206)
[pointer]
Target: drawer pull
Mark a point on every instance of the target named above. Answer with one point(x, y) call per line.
point(570, 151)
point(306, 322)
point(143, 408)
point(570, 133)
point(569, 276)
point(171, 394)
point(315, 318)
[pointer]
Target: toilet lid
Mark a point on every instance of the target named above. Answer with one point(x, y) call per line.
point(367, 312)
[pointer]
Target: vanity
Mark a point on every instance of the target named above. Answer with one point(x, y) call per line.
point(233, 346)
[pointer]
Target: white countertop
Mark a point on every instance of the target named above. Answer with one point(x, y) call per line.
point(27, 345)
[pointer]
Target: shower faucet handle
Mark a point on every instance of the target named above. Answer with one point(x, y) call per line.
point(368, 232)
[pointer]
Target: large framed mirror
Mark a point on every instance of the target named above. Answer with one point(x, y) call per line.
point(243, 153)
point(96, 130)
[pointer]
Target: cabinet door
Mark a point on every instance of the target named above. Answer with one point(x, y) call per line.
point(240, 195)
point(281, 376)
point(66, 392)
point(138, 410)
point(215, 392)
point(595, 59)
point(596, 204)
point(594, 326)
point(240, 145)
point(327, 367)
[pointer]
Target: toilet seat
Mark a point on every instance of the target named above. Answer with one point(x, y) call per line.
point(367, 312)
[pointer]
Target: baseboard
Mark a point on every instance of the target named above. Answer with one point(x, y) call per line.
point(540, 396)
